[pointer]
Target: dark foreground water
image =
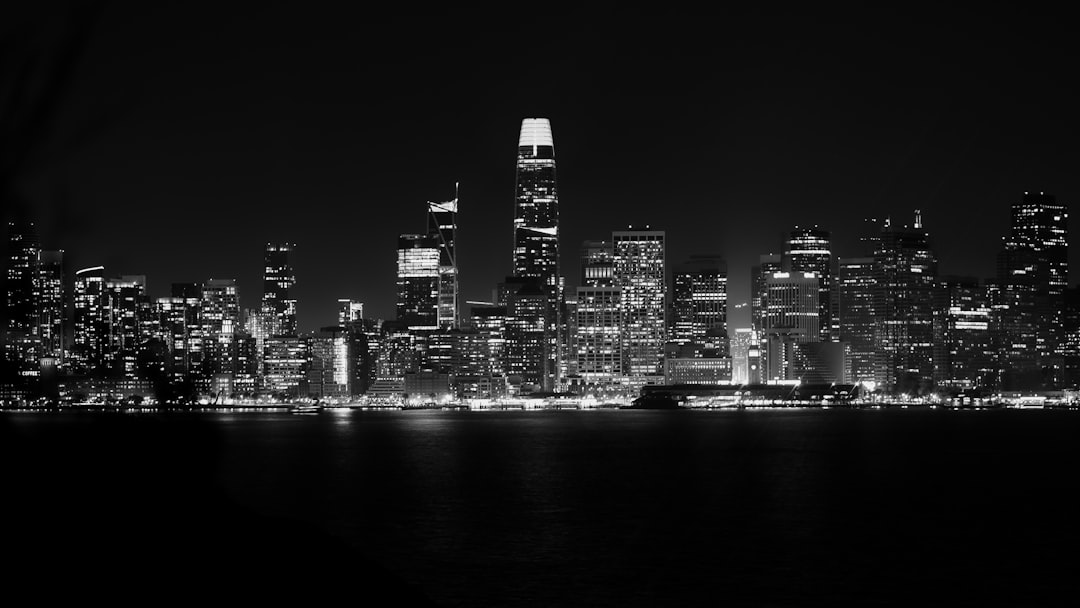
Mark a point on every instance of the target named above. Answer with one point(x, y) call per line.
point(586, 508)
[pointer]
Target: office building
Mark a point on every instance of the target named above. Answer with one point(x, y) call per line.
point(640, 274)
point(855, 289)
point(699, 303)
point(278, 282)
point(418, 282)
point(536, 234)
point(442, 226)
point(809, 250)
point(905, 277)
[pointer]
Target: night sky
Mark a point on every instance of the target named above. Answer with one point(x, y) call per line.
point(188, 135)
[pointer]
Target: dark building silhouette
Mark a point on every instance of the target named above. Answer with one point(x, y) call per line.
point(699, 298)
point(855, 289)
point(905, 276)
point(21, 343)
point(965, 354)
point(1032, 275)
point(278, 282)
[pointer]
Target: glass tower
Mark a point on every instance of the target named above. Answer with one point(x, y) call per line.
point(808, 250)
point(536, 231)
point(1032, 276)
point(905, 278)
point(442, 226)
point(418, 281)
point(640, 272)
point(278, 281)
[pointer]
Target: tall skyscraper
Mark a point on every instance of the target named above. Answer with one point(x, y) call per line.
point(442, 225)
point(905, 276)
point(21, 343)
point(418, 281)
point(640, 272)
point(536, 232)
point(89, 320)
point(527, 338)
point(278, 282)
point(1032, 277)
point(220, 319)
point(699, 303)
point(792, 317)
point(181, 323)
point(126, 304)
point(536, 206)
point(109, 319)
point(598, 340)
point(855, 286)
point(490, 321)
point(964, 353)
point(49, 293)
point(809, 250)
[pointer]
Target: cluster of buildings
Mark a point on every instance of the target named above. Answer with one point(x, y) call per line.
point(885, 320)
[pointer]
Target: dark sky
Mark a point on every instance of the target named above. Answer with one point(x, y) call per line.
point(190, 134)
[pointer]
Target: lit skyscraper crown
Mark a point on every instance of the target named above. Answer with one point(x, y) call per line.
point(535, 132)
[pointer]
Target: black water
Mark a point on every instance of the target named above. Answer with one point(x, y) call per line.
point(588, 508)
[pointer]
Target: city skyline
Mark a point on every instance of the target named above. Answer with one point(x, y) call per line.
point(957, 123)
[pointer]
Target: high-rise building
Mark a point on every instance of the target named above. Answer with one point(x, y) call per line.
point(964, 348)
point(442, 226)
point(278, 282)
point(126, 305)
point(89, 320)
point(220, 308)
point(855, 288)
point(527, 338)
point(21, 340)
point(792, 317)
point(809, 250)
point(1032, 278)
point(285, 365)
point(327, 367)
point(699, 303)
point(220, 320)
point(490, 320)
point(49, 294)
point(536, 233)
point(401, 350)
point(598, 339)
point(109, 319)
point(905, 276)
point(1070, 346)
point(640, 273)
point(181, 326)
point(418, 281)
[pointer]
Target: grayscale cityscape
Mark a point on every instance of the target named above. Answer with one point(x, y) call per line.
point(526, 305)
point(875, 327)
